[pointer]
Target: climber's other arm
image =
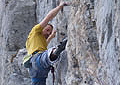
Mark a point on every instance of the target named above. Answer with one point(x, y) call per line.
point(51, 36)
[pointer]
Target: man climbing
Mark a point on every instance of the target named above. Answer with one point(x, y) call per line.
point(42, 58)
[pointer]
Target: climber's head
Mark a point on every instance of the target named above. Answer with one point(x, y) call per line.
point(47, 30)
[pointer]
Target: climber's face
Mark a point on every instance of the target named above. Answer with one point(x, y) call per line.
point(47, 31)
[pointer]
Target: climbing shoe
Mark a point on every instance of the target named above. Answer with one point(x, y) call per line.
point(60, 47)
point(56, 52)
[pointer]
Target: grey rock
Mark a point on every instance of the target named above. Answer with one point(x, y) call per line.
point(93, 48)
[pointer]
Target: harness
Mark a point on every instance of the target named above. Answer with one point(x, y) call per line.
point(52, 71)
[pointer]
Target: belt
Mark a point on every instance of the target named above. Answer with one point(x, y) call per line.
point(35, 52)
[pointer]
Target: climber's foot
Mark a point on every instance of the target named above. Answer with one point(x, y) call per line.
point(60, 47)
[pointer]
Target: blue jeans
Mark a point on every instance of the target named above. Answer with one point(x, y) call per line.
point(40, 67)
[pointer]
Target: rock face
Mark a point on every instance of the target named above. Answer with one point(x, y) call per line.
point(19, 17)
point(107, 23)
point(92, 55)
point(16, 20)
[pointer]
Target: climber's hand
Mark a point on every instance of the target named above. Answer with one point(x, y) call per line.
point(53, 34)
point(67, 3)
point(64, 3)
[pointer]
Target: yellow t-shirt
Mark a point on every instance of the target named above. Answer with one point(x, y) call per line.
point(36, 41)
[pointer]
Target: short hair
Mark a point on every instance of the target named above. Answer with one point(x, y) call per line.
point(50, 25)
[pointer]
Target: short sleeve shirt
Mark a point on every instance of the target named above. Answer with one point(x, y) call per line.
point(36, 41)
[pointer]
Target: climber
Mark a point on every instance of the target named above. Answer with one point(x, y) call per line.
point(42, 59)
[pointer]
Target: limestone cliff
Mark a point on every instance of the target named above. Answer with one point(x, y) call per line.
point(93, 48)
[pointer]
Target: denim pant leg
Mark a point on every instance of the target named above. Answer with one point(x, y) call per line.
point(38, 83)
point(40, 67)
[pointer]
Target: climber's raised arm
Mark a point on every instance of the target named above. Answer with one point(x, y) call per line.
point(52, 14)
